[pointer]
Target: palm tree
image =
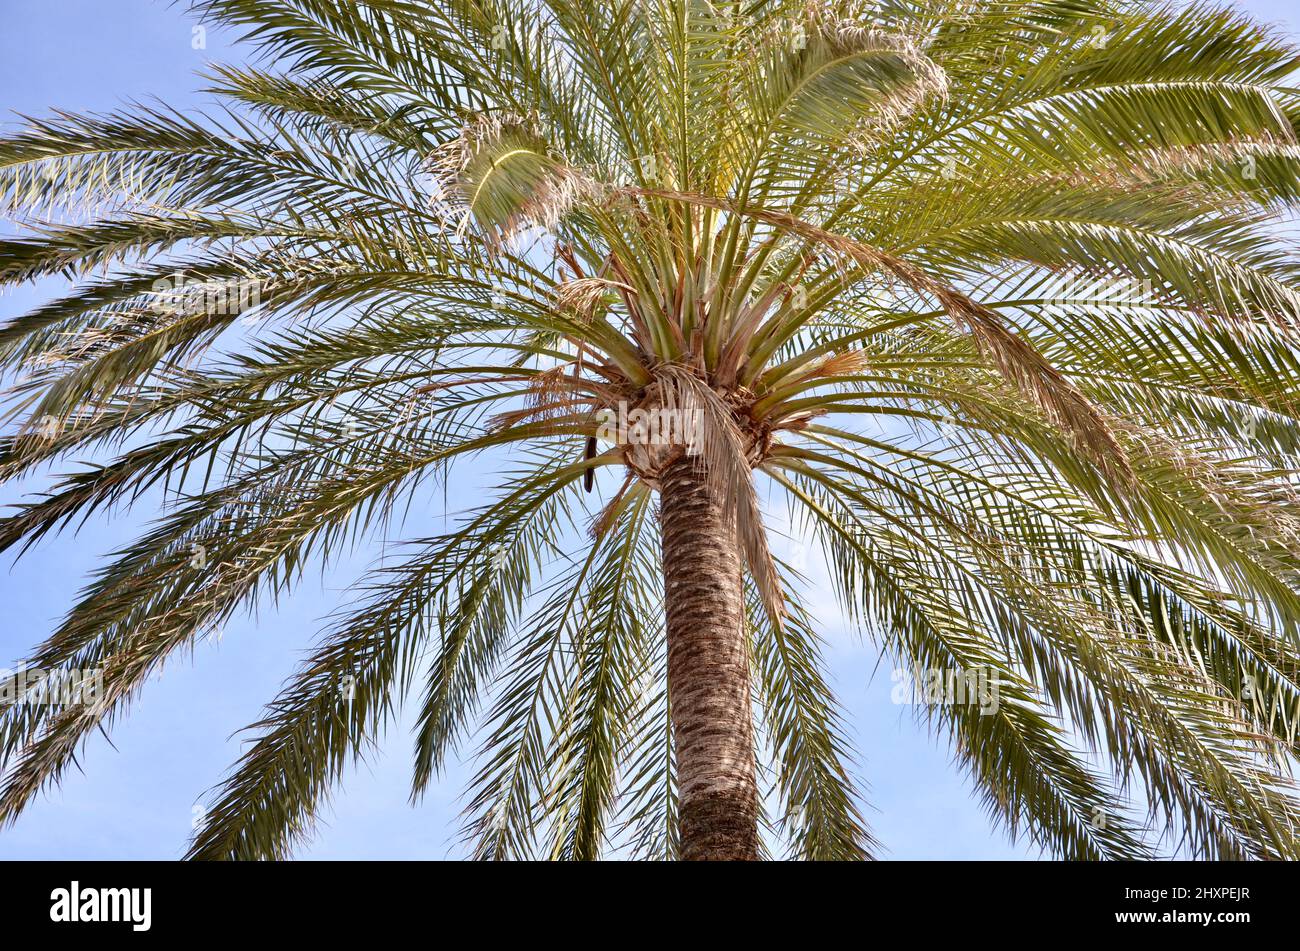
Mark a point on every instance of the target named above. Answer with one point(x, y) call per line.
point(988, 296)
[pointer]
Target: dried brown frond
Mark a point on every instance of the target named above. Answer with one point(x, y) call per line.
point(447, 384)
point(604, 520)
point(562, 191)
point(930, 82)
point(569, 410)
point(1145, 167)
point(549, 387)
point(1033, 374)
point(849, 36)
point(553, 196)
point(724, 456)
point(839, 364)
point(580, 296)
point(1271, 509)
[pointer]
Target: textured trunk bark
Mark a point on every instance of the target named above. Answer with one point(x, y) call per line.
point(708, 671)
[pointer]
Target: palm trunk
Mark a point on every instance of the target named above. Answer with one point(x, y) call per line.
point(708, 671)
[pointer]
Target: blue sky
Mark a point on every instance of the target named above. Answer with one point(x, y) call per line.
point(136, 798)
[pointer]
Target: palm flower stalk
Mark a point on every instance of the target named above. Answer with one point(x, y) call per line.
point(990, 297)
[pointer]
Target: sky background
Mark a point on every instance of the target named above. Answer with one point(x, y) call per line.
point(138, 798)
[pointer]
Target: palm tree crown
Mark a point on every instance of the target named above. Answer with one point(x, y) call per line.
point(989, 294)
